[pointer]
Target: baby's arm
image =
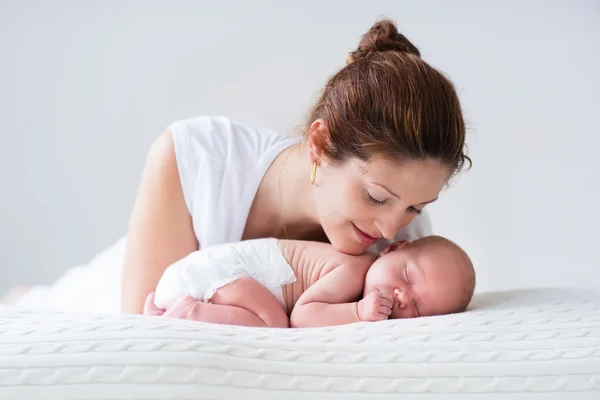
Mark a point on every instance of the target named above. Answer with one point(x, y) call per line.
point(332, 300)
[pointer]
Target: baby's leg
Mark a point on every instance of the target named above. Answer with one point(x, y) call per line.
point(242, 302)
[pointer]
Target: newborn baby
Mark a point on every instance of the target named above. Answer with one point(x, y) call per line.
point(282, 283)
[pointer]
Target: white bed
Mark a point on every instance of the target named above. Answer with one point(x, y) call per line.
point(514, 345)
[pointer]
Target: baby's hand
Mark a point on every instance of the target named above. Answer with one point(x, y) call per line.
point(376, 306)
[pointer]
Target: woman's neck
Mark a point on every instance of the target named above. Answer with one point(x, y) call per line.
point(294, 198)
point(284, 205)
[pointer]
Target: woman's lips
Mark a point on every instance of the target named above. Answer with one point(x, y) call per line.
point(364, 238)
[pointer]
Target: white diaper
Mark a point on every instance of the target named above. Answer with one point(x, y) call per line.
point(202, 272)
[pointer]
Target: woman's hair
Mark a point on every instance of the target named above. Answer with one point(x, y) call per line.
point(388, 102)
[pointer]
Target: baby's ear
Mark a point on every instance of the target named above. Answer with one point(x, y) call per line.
point(393, 247)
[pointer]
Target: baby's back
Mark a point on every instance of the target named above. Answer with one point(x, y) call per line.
point(285, 267)
point(203, 272)
point(310, 261)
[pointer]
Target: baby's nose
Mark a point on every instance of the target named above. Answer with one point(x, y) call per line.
point(404, 296)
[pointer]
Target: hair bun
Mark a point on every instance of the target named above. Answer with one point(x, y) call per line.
point(383, 36)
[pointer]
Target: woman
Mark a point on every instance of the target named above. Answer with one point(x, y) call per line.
point(379, 145)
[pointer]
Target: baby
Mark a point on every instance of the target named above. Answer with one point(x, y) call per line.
point(283, 283)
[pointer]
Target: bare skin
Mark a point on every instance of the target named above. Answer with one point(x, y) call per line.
point(312, 261)
point(333, 288)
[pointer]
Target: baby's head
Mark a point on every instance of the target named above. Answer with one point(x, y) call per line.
point(430, 276)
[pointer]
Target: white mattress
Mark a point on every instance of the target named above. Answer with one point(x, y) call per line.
point(519, 344)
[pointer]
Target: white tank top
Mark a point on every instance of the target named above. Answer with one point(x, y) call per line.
point(221, 164)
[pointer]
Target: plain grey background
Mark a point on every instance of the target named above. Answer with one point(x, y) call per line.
point(85, 87)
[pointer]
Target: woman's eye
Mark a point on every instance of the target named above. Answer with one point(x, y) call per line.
point(373, 200)
point(415, 210)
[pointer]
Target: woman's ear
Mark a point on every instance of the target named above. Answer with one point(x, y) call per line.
point(318, 139)
point(400, 244)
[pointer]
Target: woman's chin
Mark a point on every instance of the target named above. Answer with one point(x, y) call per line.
point(349, 247)
point(344, 240)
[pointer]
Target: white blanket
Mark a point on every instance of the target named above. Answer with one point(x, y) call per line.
point(89, 288)
point(513, 345)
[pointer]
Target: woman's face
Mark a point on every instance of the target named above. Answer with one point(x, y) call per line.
point(358, 203)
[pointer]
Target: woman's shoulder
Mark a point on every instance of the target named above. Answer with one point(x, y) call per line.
point(221, 163)
point(220, 128)
point(224, 139)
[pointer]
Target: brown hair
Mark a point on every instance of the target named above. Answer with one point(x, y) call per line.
point(388, 102)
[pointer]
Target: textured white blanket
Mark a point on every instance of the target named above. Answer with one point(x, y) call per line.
point(515, 345)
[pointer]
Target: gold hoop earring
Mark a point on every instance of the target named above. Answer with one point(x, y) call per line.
point(313, 175)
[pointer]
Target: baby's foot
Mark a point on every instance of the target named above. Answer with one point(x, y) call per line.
point(150, 308)
point(185, 308)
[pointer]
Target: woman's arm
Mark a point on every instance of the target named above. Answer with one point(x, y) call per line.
point(160, 229)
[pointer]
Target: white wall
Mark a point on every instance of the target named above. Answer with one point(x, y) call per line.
point(86, 86)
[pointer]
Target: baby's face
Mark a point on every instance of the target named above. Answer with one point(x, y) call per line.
point(427, 277)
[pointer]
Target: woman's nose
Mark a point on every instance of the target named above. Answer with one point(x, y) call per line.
point(388, 231)
point(389, 225)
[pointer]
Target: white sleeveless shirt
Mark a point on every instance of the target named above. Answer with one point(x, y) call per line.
point(221, 164)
